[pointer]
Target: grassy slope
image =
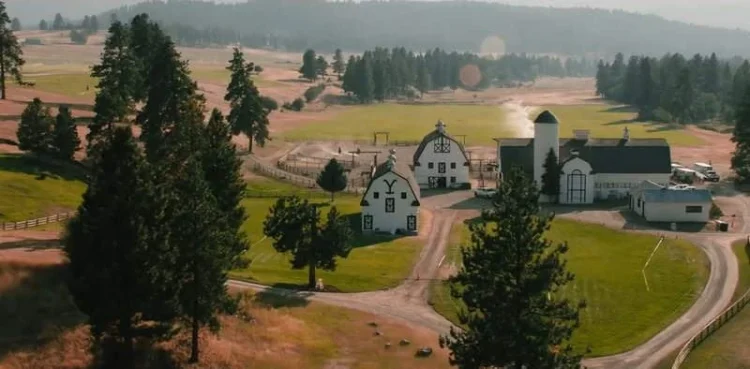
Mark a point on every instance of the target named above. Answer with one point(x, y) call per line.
point(71, 84)
point(24, 195)
point(607, 264)
point(377, 261)
point(607, 121)
point(727, 347)
point(480, 123)
point(284, 333)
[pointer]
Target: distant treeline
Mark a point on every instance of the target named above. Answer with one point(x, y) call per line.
point(383, 73)
point(673, 88)
point(450, 25)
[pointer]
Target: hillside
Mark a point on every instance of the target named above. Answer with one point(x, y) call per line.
point(452, 25)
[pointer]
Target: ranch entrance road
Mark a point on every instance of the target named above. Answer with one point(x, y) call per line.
point(408, 301)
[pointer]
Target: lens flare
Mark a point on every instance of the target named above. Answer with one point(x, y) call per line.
point(470, 75)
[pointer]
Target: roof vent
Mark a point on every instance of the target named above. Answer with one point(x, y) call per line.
point(626, 134)
point(581, 134)
point(440, 126)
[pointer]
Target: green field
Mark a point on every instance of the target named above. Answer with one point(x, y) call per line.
point(608, 121)
point(726, 348)
point(72, 84)
point(480, 123)
point(31, 189)
point(621, 313)
point(376, 262)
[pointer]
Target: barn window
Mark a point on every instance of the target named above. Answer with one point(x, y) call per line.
point(442, 145)
point(403, 195)
point(430, 165)
point(376, 195)
point(453, 179)
point(390, 205)
point(694, 209)
point(453, 165)
point(368, 222)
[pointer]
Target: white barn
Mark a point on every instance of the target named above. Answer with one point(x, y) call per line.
point(592, 169)
point(657, 203)
point(441, 161)
point(391, 202)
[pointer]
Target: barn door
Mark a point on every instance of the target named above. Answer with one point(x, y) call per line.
point(576, 187)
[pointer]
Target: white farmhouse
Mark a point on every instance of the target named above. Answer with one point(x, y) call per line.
point(391, 202)
point(441, 161)
point(660, 204)
point(592, 168)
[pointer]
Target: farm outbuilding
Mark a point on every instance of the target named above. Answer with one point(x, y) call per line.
point(660, 204)
point(441, 161)
point(391, 202)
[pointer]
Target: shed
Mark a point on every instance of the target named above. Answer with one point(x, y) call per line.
point(678, 206)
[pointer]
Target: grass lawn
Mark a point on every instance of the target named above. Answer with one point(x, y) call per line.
point(727, 347)
point(73, 84)
point(480, 123)
point(376, 262)
point(25, 194)
point(608, 121)
point(607, 263)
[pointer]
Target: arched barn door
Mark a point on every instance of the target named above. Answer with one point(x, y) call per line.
point(576, 187)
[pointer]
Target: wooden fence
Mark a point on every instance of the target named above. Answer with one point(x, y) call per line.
point(270, 171)
point(31, 223)
point(710, 328)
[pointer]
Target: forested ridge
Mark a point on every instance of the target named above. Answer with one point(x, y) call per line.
point(451, 25)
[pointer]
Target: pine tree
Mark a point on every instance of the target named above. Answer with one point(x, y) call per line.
point(65, 139)
point(15, 25)
point(11, 59)
point(249, 113)
point(117, 73)
point(310, 65)
point(35, 129)
point(338, 63)
point(294, 226)
point(321, 66)
point(423, 82)
point(631, 83)
point(741, 138)
point(43, 25)
point(116, 243)
point(350, 81)
point(551, 176)
point(684, 96)
point(93, 24)
point(86, 23)
point(332, 178)
point(510, 283)
point(58, 24)
point(365, 82)
point(647, 90)
point(602, 79)
point(146, 41)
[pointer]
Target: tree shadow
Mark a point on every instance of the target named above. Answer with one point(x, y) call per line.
point(663, 127)
point(31, 245)
point(36, 309)
point(362, 239)
point(57, 105)
point(619, 109)
point(42, 167)
point(331, 99)
point(290, 297)
point(10, 117)
point(473, 203)
point(6, 141)
point(623, 121)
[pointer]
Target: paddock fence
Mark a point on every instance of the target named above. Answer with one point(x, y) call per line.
point(710, 328)
point(31, 223)
point(354, 186)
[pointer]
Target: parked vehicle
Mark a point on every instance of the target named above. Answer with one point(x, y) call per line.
point(682, 187)
point(485, 193)
point(712, 176)
point(684, 175)
point(703, 168)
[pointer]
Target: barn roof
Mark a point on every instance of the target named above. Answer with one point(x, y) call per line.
point(636, 155)
point(677, 196)
point(400, 170)
point(431, 137)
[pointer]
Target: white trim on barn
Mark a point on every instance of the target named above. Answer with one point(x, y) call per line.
point(391, 202)
point(441, 161)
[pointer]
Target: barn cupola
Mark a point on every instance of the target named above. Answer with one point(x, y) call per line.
point(440, 126)
point(626, 134)
point(546, 138)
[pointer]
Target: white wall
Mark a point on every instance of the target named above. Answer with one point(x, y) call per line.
point(546, 136)
point(585, 168)
point(389, 222)
point(423, 171)
point(675, 212)
point(620, 185)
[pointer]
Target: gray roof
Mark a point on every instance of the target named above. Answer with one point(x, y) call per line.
point(636, 155)
point(677, 196)
point(432, 136)
point(546, 117)
point(400, 170)
point(647, 185)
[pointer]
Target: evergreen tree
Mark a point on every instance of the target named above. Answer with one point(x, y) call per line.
point(116, 243)
point(350, 78)
point(15, 25)
point(741, 138)
point(510, 283)
point(364, 76)
point(43, 25)
point(11, 59)
point(117, 73)
point(58, 24)
point(146, 41)
point(713, 75)
point(631, 83)
point(310, 66)
point(86, 23)
point(322, 66)
point(93, 24)
point(602, 79)
point(249, 111)
point(684, 96)
point(423, 82)
point(551, 176)
point(338, 63)
point(35, 129)
point(65, 139)
point(647, 90)
point(333, 177)
point(294, 226)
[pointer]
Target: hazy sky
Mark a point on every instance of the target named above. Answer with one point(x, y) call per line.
point(721, 13)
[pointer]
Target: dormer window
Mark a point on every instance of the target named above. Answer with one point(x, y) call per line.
point(442, 145)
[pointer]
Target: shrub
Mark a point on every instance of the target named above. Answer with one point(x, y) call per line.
point(312, 93)
point(33, 41)
point(661, 115)
point(715, 212)
point(79, 38)
point(297, 105)
point(269, 103)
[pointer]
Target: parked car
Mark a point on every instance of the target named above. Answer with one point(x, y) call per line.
point(682, 187)
point(712, 176)
point(485, 193)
